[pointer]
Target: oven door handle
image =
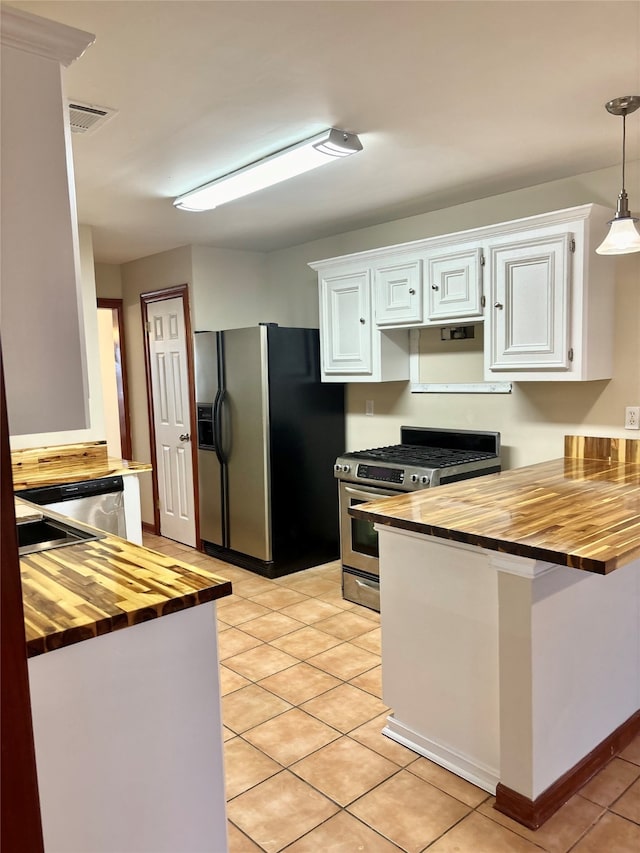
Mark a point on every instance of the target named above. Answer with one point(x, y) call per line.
point(369, 494)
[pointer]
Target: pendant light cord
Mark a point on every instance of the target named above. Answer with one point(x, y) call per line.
point(624, 134)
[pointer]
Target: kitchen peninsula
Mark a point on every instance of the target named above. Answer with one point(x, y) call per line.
point(123, 670)
point(510, 612)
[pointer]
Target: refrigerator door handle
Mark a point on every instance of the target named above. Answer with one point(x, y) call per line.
point(224, 427)
point(217, 432)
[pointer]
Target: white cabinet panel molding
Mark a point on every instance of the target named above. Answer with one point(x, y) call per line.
point(530, 290)
point(454, 284)
point(345, 305)
point(398, 294)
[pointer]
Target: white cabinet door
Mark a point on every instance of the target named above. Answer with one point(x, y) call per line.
point(454, 283)
point(345, 321)
point(530, 301)
point(398, 290)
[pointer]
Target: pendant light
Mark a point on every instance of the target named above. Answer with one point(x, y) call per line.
point(623, 236)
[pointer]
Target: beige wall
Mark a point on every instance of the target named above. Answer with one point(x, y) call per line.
point(535, 416)
point(229, 289)
point(108, 281)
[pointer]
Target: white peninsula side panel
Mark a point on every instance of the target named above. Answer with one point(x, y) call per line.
point(504, 668)
point(128, 737)
point(569, 665)
point(439, 616)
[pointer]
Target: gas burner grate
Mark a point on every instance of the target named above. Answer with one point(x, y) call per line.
point(426, 457)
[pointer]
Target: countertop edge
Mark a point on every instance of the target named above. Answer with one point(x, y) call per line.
point(70, 636)
point(518, 549)
point(109, 566)
point(517, 493)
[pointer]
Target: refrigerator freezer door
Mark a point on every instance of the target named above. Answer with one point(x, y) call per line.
point(206, 366)
point(246, 439)
point(209, 468)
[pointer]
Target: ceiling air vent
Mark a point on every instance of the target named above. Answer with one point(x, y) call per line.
point(87, 117)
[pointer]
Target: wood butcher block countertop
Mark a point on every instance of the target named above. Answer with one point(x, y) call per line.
point(81, 591)
point(70, 463)
point(576, 511)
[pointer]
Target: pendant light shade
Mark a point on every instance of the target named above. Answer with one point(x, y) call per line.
point(623, 237)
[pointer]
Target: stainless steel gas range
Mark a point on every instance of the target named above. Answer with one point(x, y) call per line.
point(424, 458)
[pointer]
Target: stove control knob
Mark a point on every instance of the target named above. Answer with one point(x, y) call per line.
point(414, 478)
point(424, 480)
point(346, 468)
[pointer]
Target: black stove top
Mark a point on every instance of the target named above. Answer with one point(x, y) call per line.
point(426, 457)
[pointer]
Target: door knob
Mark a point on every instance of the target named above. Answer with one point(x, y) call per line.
point(184, 437)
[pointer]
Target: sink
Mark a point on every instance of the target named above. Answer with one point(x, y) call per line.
point(47, 533)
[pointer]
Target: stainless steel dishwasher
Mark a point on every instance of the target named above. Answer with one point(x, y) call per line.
point(99, 503)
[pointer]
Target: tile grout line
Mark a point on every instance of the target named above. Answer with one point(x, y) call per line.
point(281, 584)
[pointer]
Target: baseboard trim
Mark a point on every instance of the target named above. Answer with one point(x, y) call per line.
point(533, 813)
point(462, 765)
point(273, 568)
point(147, 527)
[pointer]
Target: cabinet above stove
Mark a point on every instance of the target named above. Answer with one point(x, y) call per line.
point(535, 283)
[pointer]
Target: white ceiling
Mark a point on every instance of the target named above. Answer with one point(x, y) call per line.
point(452, 101)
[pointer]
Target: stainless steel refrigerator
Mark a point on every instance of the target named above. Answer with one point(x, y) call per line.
point(269, 433)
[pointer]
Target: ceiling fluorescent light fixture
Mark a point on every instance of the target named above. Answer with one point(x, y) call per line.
point(325, 147)
point(623, 237)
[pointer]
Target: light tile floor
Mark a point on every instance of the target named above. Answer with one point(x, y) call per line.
point(307, 768)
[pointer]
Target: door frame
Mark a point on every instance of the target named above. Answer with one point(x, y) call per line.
point(180, 291)
point(122, 385)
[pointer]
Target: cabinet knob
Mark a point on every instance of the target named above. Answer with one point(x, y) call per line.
point(498, 305)
point(434, 287)
point(412, 291)
point(362, 320)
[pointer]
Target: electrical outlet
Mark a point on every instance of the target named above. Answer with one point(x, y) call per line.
point(632, 417)
point(368, 407)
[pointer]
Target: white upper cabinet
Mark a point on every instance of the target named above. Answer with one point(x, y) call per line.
point(345, 306)
point(550, 301)
point(544, 295)
point(398, 293)
point(433, 287)
point(352, 348)
point(453, 283)
point(530, 290)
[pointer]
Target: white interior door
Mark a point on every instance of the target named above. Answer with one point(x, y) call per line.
point(172, 419)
